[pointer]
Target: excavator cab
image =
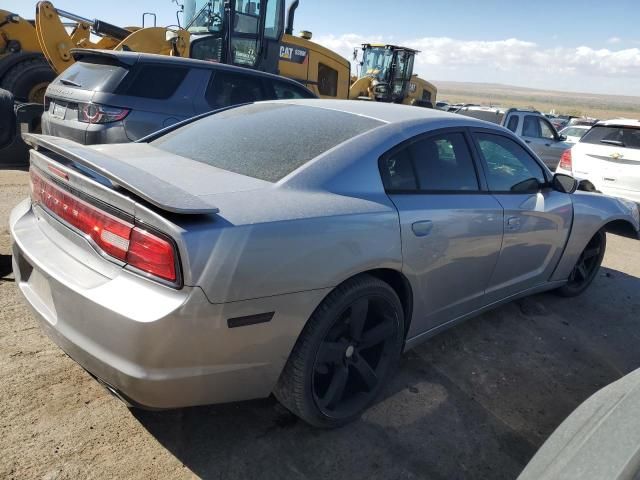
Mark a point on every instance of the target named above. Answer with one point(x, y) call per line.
point(391, 68)
point(246, 33)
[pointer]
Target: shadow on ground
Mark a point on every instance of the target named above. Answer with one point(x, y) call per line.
point(474, 402)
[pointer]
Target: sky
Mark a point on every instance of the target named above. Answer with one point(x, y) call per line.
point(572, 45)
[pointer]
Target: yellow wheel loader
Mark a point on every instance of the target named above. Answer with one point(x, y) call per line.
point(386, 75)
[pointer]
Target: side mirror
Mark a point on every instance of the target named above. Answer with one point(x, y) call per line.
point(564, 183)
point(562, 138)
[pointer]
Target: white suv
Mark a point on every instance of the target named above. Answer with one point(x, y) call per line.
point(608, 156)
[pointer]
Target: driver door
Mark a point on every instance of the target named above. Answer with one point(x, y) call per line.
point(537, 220)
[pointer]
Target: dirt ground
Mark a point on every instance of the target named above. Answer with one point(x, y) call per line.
point(475, 402)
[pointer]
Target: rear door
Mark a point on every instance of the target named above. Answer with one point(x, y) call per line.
point(537, 220)
point(451, 227)
point(610, 157)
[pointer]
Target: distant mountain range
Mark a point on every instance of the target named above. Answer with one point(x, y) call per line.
point(588, 104)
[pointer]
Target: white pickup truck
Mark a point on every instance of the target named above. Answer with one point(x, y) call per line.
point(530, 125)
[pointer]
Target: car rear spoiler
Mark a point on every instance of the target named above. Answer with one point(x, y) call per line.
point(154, 190)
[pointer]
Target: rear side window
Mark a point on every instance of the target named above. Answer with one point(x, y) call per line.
point(531, 127)
point(264, 140)
point(232, 89)
point(99, 77)
point(625, 137)
point(327, 80)
point(156, 81)
point(440, 163)
point(513, 123)
point(285, 91)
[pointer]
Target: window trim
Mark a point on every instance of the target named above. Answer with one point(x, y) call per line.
point(546, 173)
point(480, 178)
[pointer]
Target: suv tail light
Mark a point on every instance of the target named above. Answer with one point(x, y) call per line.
point(96, 113)
point(565, 160)
point(122, 240)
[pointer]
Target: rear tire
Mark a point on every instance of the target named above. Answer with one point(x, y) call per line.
point(345, 354)
point(28, 80)
point(586, 268)
point(7, 118)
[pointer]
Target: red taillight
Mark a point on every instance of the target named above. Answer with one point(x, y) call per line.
point(114, 236)
point(565, 160)
point(96, 113)
point(151, 254)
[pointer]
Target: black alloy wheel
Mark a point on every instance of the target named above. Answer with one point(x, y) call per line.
point(587, 266)
point(345, 354)
point(351, 359)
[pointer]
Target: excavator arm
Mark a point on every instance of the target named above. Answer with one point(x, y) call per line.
point(56, 42)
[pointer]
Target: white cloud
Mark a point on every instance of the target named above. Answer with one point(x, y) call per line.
point(512, 55)
point(614, 40)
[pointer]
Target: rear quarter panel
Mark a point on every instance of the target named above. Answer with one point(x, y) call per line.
point(592, 211)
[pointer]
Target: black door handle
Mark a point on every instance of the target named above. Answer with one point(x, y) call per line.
point(547, 144)
point(527, 141)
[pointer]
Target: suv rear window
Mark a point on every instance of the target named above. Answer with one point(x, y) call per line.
point(265, 141)
point(155, 81)
point(618, 136)
point(100, 77)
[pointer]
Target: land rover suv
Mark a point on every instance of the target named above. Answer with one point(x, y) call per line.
point(117, 97)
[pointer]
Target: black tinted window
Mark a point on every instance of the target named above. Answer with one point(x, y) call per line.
point(266, 141)
point(626, 137)
point(513, 123)
point(92, 76)
point(285, 91)
point(232, 89)
point(444, 163)
point(508, 164)
point(156, 81)
point(531, 127)
point(397, 171)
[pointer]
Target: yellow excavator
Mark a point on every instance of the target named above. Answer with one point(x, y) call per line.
point(386, 75)
point(247, 33)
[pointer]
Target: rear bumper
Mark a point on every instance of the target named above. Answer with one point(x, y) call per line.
point(157, 347)
point(84, 133)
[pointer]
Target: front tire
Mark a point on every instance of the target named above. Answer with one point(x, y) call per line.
point(345, 354)
point(587, 266)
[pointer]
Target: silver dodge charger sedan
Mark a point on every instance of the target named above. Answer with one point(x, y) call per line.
point(291, 247)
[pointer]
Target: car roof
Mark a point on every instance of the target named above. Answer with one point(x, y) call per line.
point(621, 122)
point(132, 58)
point(387, 112)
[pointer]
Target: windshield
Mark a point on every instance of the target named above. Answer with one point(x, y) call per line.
point(376, 62)
point(203, 16)
point(617, 136)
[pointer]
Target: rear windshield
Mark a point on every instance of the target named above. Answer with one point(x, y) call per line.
point(92, 76)
point(265, 141)
point(626, 137)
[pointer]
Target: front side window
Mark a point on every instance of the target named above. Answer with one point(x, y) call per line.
point(232, 89)
point(509, 167)
point(546, 130)
point(531, 127)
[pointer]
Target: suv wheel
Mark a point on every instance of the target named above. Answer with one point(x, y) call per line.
point(345, 354)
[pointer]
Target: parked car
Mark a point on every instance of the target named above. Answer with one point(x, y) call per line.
point(608, 157)
point(116, 97)
point(574, 133)
point(294, 247)
point(600, 439)
point(532, 126)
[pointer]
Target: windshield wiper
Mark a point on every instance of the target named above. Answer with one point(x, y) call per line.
point(617, 143)
point(70, 83)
